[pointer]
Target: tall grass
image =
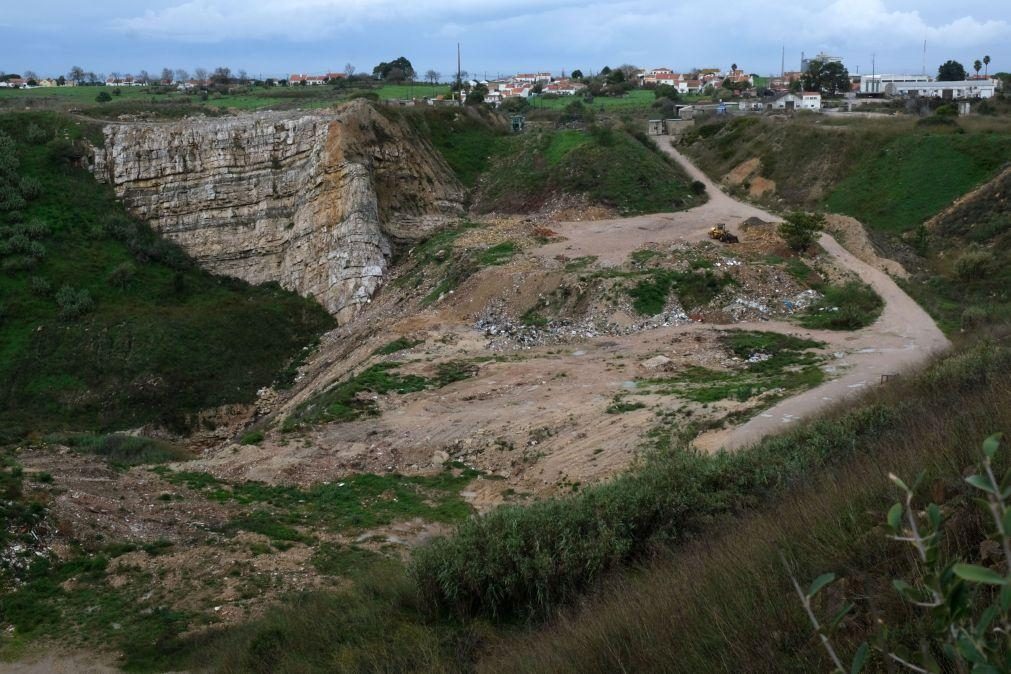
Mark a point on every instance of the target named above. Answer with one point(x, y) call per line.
point(724, 603)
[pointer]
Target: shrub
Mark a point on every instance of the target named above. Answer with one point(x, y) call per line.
point(800, 229)
point(73, 303)
point(123, 450)
point(39, 285)
point(122, 275)
point(31, 188)
point(35, 134)
point(851, 306)
point(103, 97)
point(973, 317)
point(698, 187)
point(252, 438)
point(974, 265)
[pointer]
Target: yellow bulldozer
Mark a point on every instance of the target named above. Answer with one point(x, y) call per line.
point(722, 234)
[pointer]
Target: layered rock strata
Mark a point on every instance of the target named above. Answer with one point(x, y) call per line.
point(302, 200)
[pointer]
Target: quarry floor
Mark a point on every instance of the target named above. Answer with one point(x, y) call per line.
point(534, 417)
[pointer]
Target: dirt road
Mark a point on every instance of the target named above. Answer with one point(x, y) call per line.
point(903, 337)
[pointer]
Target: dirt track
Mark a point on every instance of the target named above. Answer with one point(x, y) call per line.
point(903, 337)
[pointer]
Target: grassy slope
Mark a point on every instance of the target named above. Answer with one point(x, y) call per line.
point(174, 340)
point(611, 166)
point(914, 176)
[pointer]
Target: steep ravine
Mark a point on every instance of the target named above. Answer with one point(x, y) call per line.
point(306, 201)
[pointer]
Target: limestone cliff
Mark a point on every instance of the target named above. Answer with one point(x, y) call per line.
point(303, 200)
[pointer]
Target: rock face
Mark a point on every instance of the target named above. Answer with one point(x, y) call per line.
point(306, 201)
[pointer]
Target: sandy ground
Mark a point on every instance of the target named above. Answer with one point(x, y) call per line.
point(903, 337)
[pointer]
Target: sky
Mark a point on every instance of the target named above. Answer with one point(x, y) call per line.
point(271, 38)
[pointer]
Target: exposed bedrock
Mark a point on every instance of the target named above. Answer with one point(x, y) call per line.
point(307, 201)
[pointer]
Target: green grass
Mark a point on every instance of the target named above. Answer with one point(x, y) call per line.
point(498, 254)
point(910, 179)
point(359, 501)
point(852, 306)
point(172, 340)
point(399, 344)
point(786, 365)
point(343, 402)
point(467, 140)
point(610, 166)
point(693, 289)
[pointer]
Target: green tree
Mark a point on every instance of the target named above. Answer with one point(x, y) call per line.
point(986, 62)
point(799, 229)
point(103, 97)
point(666, 91)
point(977, 65)
point(577, 74)
point(384, 70)
point(827, 77)
point(951, 71)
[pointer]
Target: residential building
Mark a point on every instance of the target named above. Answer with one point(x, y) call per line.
point(532, 78)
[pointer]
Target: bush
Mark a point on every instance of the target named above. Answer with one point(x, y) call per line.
point(31, 188)
point(698, 187)
point(852, 306)
point(973, 317)
point(39, 285)
point(800, 229)
point(35, 134)
point(123, 450)
point(122, 275)
point(73, 303)
point(974, 265)
point(251, 438)
point(103, 97)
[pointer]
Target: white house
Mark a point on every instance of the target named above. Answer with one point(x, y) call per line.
point(804, 100)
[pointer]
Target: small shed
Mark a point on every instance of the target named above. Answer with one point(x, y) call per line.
point(518, 123)
point(656, 127)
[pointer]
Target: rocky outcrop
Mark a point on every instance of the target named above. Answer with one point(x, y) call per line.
point(306, 201)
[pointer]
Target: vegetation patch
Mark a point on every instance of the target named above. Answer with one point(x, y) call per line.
point(357, 502)
point(397, 345)
point(852, 306)
point(610, 166)
point(773, 363)
point(123, 450)
point(693, 289)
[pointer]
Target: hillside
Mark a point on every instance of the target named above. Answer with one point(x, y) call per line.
point(893, 175)
point(106, 325)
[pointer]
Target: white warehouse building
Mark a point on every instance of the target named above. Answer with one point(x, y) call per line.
point(885, 84)
point(965, 89)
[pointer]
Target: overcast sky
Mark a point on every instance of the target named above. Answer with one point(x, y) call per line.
point(276, 37)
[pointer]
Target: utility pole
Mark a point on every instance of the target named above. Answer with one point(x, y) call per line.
point(924, 57)
point(782, 64)
point(459, 82)
point(874, 72)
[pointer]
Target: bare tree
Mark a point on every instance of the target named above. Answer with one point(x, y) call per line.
point(243, 77)
point(200, 74)
point(181, 75)
point(116, 76)
point(166, 76)
point(432, 76)
point(143, 77)
point(349, 70)
point(30, 75)
point(76, 74)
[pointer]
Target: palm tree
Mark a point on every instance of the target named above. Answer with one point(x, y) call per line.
point(733, 67)
point(977, 65)
point(986, 62)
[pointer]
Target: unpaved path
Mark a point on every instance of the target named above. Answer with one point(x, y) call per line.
point(903, 337)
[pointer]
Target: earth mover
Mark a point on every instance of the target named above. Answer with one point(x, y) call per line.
point(722, 234)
